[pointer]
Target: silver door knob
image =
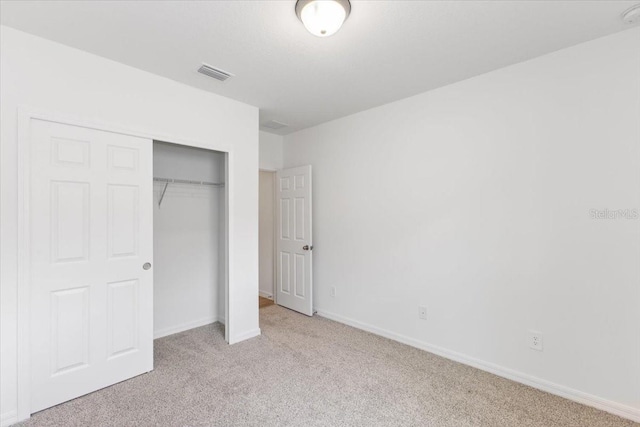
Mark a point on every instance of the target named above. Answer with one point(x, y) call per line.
point(146, 266)
point(307, 248)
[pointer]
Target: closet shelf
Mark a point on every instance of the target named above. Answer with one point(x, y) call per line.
point(168, 181)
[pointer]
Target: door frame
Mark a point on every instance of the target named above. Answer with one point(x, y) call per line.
point(25, 116)
point(273, 174)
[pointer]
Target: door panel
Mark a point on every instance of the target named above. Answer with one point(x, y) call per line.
point(69, 329)
point(122, 228)
point(294, 244)
point(70, 221)
point(90, 233)
point(123, 313)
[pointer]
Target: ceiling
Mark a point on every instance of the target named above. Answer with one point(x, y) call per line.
point(386, 50)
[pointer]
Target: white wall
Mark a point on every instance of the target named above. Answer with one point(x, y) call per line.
point(188, 239)
point(474, 200)
point(270, 151)
point(51, 77)
point(183, 162)
point(266, 238)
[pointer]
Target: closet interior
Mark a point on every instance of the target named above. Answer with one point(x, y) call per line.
point(189, 237)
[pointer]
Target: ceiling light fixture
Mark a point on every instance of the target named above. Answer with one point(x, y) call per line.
point(632, 15)
point(323, 18)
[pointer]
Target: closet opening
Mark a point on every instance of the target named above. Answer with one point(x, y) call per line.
point(189, 238)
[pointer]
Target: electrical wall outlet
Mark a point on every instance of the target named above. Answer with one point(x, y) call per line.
point(422, 312)
point(535, 340)
point(333, 291)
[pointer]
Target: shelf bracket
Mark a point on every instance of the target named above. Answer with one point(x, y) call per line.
point(164, 190)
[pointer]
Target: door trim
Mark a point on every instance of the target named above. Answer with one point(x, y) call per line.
point(25, 116)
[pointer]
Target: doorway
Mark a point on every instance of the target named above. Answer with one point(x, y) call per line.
point(266, 239)
point(285, 238)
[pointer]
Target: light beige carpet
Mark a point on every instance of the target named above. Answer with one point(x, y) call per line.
point(313, 372)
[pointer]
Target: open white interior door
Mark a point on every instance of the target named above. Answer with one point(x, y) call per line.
point(91, 287)
point(294, 241)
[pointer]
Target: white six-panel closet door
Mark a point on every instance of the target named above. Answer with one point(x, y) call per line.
point(91, 225)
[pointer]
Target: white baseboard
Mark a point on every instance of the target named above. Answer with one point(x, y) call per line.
point(8, 418)
point(615, 408)
point(244, 336)
point(264, 294)
point(185, 326)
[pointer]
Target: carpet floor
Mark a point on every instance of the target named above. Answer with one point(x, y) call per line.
point(313, 372)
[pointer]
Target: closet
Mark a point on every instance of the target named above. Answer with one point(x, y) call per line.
point(188, 237)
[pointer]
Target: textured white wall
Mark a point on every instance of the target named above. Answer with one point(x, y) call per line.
point(188, 240)
point(179, 161)
point(473, 200)
point(270, 151)
point(54, 78)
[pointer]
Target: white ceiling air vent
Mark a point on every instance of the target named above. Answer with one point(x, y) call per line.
point(272, 124)
point(216, 73)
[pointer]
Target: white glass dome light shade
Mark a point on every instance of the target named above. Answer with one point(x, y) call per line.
point(323, 18)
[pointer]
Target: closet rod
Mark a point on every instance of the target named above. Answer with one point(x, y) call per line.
point(187, 181)
point(168, 181)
